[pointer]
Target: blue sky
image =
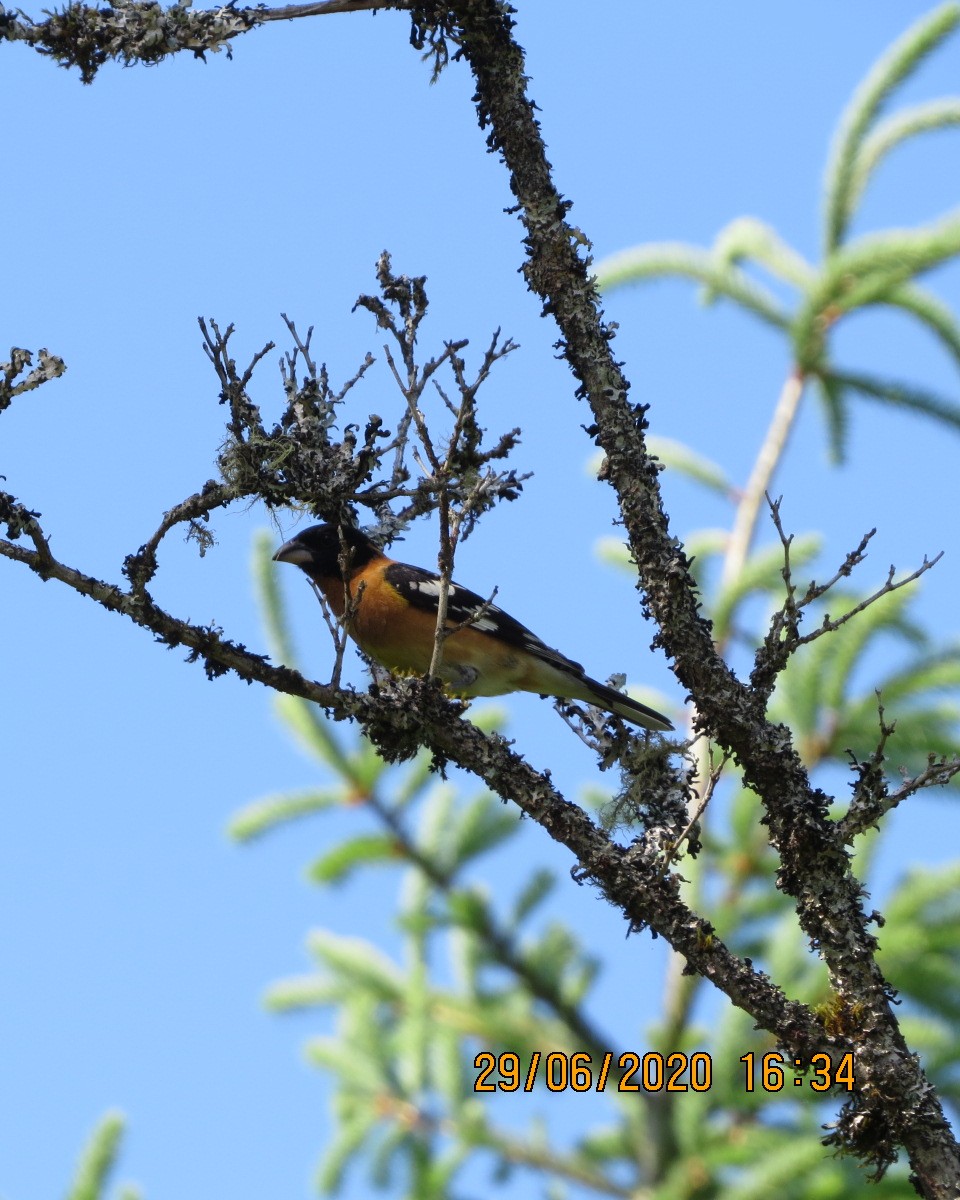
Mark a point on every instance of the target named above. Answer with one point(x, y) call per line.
point(136, 939)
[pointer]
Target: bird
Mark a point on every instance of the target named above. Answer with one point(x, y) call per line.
point(391, 613)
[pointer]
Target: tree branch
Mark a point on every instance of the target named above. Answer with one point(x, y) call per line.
point(895, 1103)
point(142, 31)
point(871, 794)
point(401, 717)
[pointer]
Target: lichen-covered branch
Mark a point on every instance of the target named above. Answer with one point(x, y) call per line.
point(407, 714)
point(872, 797)
point(143, 32)
point(300, 462)
point(895, 1105)
point(14, 381)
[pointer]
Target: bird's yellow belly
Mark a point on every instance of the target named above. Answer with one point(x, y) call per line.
point(473, 664)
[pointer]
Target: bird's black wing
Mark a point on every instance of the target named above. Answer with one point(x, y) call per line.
point(421, 589)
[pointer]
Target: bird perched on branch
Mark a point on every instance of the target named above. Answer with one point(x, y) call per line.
point(391, 613)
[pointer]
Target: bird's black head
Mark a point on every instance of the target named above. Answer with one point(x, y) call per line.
point(318, 549)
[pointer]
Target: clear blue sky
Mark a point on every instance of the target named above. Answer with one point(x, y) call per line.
point(136, 941)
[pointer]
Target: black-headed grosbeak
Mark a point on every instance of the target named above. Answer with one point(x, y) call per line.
point(393, 617)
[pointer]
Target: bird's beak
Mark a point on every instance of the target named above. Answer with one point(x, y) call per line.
point(294, 552)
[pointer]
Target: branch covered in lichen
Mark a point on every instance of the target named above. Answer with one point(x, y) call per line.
point(894, 1102)
point(143, 32)
point(406, 714)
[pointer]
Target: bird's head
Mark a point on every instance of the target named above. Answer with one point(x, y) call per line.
point(317, 550)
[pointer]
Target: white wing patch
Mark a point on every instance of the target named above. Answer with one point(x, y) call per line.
point(461, 605)
point(422, 589)
point(486, 624)
point(428, 587)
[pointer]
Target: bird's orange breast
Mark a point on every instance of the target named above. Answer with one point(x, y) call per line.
point(400, 637)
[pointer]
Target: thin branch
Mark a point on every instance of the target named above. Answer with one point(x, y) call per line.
point(844, 571)
point(141, 567)
point(783, 636)
point(459, 489)
point(712, 781)
point(407, 714)
point(872, 796)
point(937, 773)
point(787, 618)
point(323, 8)
point(890, 585)
point(568, 1167)
point(437, 478)
point(870, 789)
point(774, 444)
point(351, 602)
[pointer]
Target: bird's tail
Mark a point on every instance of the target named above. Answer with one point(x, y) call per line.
point(616, 702)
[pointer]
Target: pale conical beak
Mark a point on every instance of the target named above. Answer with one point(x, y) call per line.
point(294, 552)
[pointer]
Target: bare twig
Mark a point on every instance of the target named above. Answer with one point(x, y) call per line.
point(335, 629)
point(436, 475)
point(871, 794)
point(323, 8)
point(712, 780)
point(844, 571)
point(870, 789)
point(244, 414)
point(351, 602)
point(890, 585)
point(783, 638)
point(457, 483)
point(773, 654)
point(938, 772)
point(142, 566)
